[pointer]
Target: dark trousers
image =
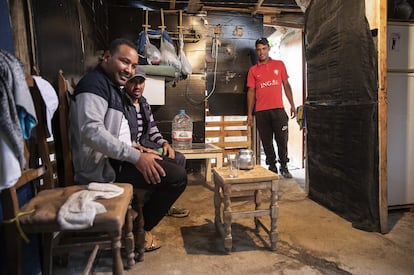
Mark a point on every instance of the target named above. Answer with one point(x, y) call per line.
point(161, 196)
point(180, 159)
point(273, 123)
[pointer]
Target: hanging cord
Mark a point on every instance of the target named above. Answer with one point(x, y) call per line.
point(214, 54)
point(19, 227)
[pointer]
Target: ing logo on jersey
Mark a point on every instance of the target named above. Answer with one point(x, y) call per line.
point(276, 72)
point(269, 83)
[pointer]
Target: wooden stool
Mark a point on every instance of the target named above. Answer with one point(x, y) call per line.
point(226, 188)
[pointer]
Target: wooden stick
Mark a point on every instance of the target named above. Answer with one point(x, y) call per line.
point(162, 27)
point(146, 26)
point(180, 26)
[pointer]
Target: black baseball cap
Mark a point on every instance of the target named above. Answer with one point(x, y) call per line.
point(138, 73)
point(262, 41)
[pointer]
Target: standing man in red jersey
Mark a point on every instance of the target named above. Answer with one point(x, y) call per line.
point(264, 82)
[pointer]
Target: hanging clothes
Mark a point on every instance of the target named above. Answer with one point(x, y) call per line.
point(17, 118)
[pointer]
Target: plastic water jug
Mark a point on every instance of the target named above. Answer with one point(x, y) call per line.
point(182, 131)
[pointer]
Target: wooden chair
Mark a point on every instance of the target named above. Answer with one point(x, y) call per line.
point(60, 133)
point(39, 215)
point(65, 168)
point(139, 232)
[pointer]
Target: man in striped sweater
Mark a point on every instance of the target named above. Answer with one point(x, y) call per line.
point(145, 135)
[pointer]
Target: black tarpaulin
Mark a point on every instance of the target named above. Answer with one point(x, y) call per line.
point(342, 111)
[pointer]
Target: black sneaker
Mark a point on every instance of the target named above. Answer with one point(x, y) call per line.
point(273, 168)
point(285, 172)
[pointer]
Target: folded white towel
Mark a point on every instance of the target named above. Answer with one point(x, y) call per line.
point(108, 190)
point(79, 211)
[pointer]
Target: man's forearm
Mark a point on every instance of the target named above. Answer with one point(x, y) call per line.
point(250, 101)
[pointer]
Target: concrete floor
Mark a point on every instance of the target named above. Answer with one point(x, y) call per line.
point(312, 240)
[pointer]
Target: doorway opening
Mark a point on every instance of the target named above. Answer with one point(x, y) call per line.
point(287, 45)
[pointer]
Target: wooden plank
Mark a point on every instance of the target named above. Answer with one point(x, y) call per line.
point(22, 32)
point(194, 6)
point(91, 260)
point(29, 175)
point(250, 214)
point(225, 123)
point(230, 145)
point(228, 133)
point(382, 114)
point(376, 13)
point(265, 185)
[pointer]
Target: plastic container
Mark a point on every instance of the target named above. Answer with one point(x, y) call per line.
point(182, 131)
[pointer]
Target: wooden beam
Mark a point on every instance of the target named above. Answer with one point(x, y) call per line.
point(290, 21)
point(258, 5)
point(253, 11)
point(172, 4)
point(382, 114)
point(271, 10)
point(212, 8)
point(21, 22)
point(194, 6)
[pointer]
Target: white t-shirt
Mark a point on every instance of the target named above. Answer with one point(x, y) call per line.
point(125, 133)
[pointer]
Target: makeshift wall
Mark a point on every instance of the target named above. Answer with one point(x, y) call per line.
point(342, 111)
point(185, 94)
point(68, 36)
point(236, 35)
point(6, 42)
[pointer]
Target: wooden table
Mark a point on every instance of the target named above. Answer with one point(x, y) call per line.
point(248, 181)
point(205, 151)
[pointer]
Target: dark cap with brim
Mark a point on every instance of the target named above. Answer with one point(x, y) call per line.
point(138, 73)
point(262, 41)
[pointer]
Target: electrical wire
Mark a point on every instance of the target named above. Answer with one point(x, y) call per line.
point(214, 54)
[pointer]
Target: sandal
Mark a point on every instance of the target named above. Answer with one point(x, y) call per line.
point(151, 242)
point(178, 212)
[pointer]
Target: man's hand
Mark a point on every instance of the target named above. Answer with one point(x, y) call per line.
point(168, 150)
point(151, 170)
point(250, 120)
point(292, 112)
point(145, 149)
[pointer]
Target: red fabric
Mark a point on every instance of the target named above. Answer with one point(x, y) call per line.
point(267, 80)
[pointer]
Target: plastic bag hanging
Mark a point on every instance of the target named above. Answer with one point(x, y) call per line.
point(168, 55)
point(147, 49)
point(152, 53)
point(149, 54)
point(186, 68)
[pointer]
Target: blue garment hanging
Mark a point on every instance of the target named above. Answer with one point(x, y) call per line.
point(142, 38)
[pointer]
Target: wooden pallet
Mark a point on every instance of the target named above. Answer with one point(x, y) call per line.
point(230, 133)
